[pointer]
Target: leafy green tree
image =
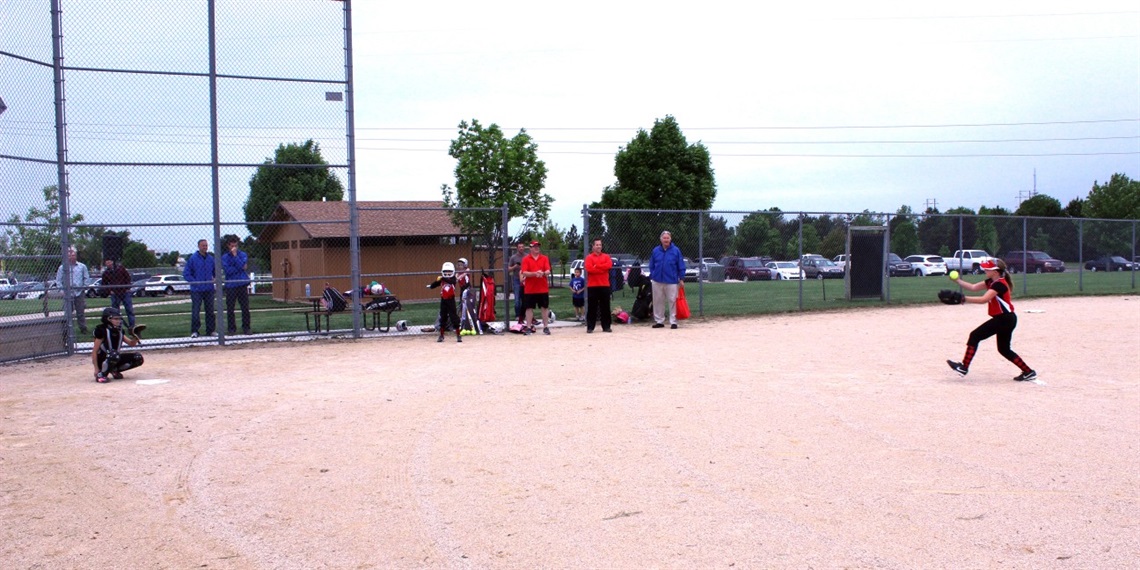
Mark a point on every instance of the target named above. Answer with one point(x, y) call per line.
point(492, 170)
point(834, 243)
point(169, 259)
point(658, 170)
point(718, 237)
point(38, 234)
point(987, 235)
point(755, 235)
point(290, 176)
point(1117, 199)
point(136, 255)
point(1040, 206)
point(904, 234)
point(573, 241)
point(1075, 208)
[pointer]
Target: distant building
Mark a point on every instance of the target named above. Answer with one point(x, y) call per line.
point(314, 246)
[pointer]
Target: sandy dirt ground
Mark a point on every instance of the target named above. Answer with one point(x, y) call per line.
point(822, 440)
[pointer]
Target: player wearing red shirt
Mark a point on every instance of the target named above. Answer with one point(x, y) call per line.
point(535, 271)
point(1002, 321)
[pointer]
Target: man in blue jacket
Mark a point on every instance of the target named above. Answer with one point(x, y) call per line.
point(199, 271)
point(666, 270)
point(234, 263)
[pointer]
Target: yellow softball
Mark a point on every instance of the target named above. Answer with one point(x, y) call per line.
point(954, 275)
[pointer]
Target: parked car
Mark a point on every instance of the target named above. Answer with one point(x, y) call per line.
point(705, 264)
point(818, 267)
point(896, 266)
point(1032, 262)
point(840, 260)
point(94, 288)
point(166, 285)
point(21, 287)
point(785, 269)
point(138, 287)
point(1109, 263)
point(927, 265)
point(692, 272)
point(746, 268)
point(7, 285)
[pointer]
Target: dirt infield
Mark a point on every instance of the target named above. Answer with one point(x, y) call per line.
point(822, 440)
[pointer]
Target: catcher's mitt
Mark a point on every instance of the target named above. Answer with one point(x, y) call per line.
point(951, 297)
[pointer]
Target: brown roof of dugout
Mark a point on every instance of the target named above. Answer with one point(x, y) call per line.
point(323, 220)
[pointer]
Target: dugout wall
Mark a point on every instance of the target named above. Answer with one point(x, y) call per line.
point(866, 262)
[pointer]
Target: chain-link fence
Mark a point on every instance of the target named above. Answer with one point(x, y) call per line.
point(763, 261)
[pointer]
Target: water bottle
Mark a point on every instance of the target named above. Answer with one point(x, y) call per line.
point(308, 292)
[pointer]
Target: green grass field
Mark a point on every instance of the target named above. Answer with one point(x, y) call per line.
point(169, 317)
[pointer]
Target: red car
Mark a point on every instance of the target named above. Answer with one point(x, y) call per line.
point(746, 268)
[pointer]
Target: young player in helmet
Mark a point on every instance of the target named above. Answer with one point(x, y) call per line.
point(109, 362)
point(447, 311)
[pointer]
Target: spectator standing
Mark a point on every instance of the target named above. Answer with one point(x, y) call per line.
point(578, 293)
point(598, 265)
point(513, 265)
point(117, 281)
point(77, 271)
point(535, 272)
point(666, 269)
point(199, 271)
point(235, 264)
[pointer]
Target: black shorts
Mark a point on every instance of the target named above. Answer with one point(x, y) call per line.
point(578, 302)
point(536, 301)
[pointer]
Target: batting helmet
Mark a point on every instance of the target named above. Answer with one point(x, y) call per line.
point(448, 269)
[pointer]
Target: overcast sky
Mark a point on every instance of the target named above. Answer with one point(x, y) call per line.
point(816, 106)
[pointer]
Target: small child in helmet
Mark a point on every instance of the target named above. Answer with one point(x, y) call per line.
point(447, 311)
point(109, 362)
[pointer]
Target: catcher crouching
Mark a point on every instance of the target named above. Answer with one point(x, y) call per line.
point(106, 354)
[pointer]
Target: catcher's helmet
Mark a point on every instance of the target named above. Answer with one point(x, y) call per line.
point(401, 325)
point(448, 269)
point(108, 314)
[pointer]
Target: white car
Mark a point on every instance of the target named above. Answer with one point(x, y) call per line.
point(926, 265)
point(840, 260)
point(166, 285)
point(785, 269)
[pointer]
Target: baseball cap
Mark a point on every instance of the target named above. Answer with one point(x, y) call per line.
point(988, 264)
point(534, 244)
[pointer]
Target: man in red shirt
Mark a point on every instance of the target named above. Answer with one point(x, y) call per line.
point(535, 272)
point(598, 265)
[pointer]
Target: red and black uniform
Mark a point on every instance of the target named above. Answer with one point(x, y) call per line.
point(1001, 324)
point(111, 360)
point(447, 310)
point(598, 290)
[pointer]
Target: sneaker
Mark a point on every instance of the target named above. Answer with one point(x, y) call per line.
point(607, 330)
point(957, 367)
point(659, 325)
point(440, 339)
point(588, 331)
point(101, 378)
point(526, 331)
point(194, 334)
point(545, 331)
point(673, 326)
point(1031, 375)
point(458, 339)
point(117, 375)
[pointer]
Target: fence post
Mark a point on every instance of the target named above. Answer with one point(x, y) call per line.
point(508, 287)
point(1024, 256)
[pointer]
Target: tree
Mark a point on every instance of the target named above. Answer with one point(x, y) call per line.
point(573, 241)
point(658, 170)
point(38, 235)
point(1117, 199)
point(136, 254)
point(492, 170)
point(1040, 206)
point(756, 236)
point(289, 177)
point(718, 237)
point(904, 235)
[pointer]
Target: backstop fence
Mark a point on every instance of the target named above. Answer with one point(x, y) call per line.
point(149, 134)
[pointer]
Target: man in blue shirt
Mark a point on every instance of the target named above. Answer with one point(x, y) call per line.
point(235, 263)
point(199, 271)
point(666, 270)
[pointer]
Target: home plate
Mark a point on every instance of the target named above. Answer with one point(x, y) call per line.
point(151, 382)
point(1037, 381)
point(1035, 311)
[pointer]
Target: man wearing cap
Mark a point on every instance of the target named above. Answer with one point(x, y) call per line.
point(666, 269)
point(535, 272)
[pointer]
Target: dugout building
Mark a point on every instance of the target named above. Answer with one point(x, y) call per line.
point(313, 244)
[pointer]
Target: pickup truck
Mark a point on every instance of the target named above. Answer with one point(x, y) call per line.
point(968, 260)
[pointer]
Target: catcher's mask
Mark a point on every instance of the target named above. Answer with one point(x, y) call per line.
point(401, 325)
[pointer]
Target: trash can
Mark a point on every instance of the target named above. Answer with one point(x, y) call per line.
point(715, 273)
